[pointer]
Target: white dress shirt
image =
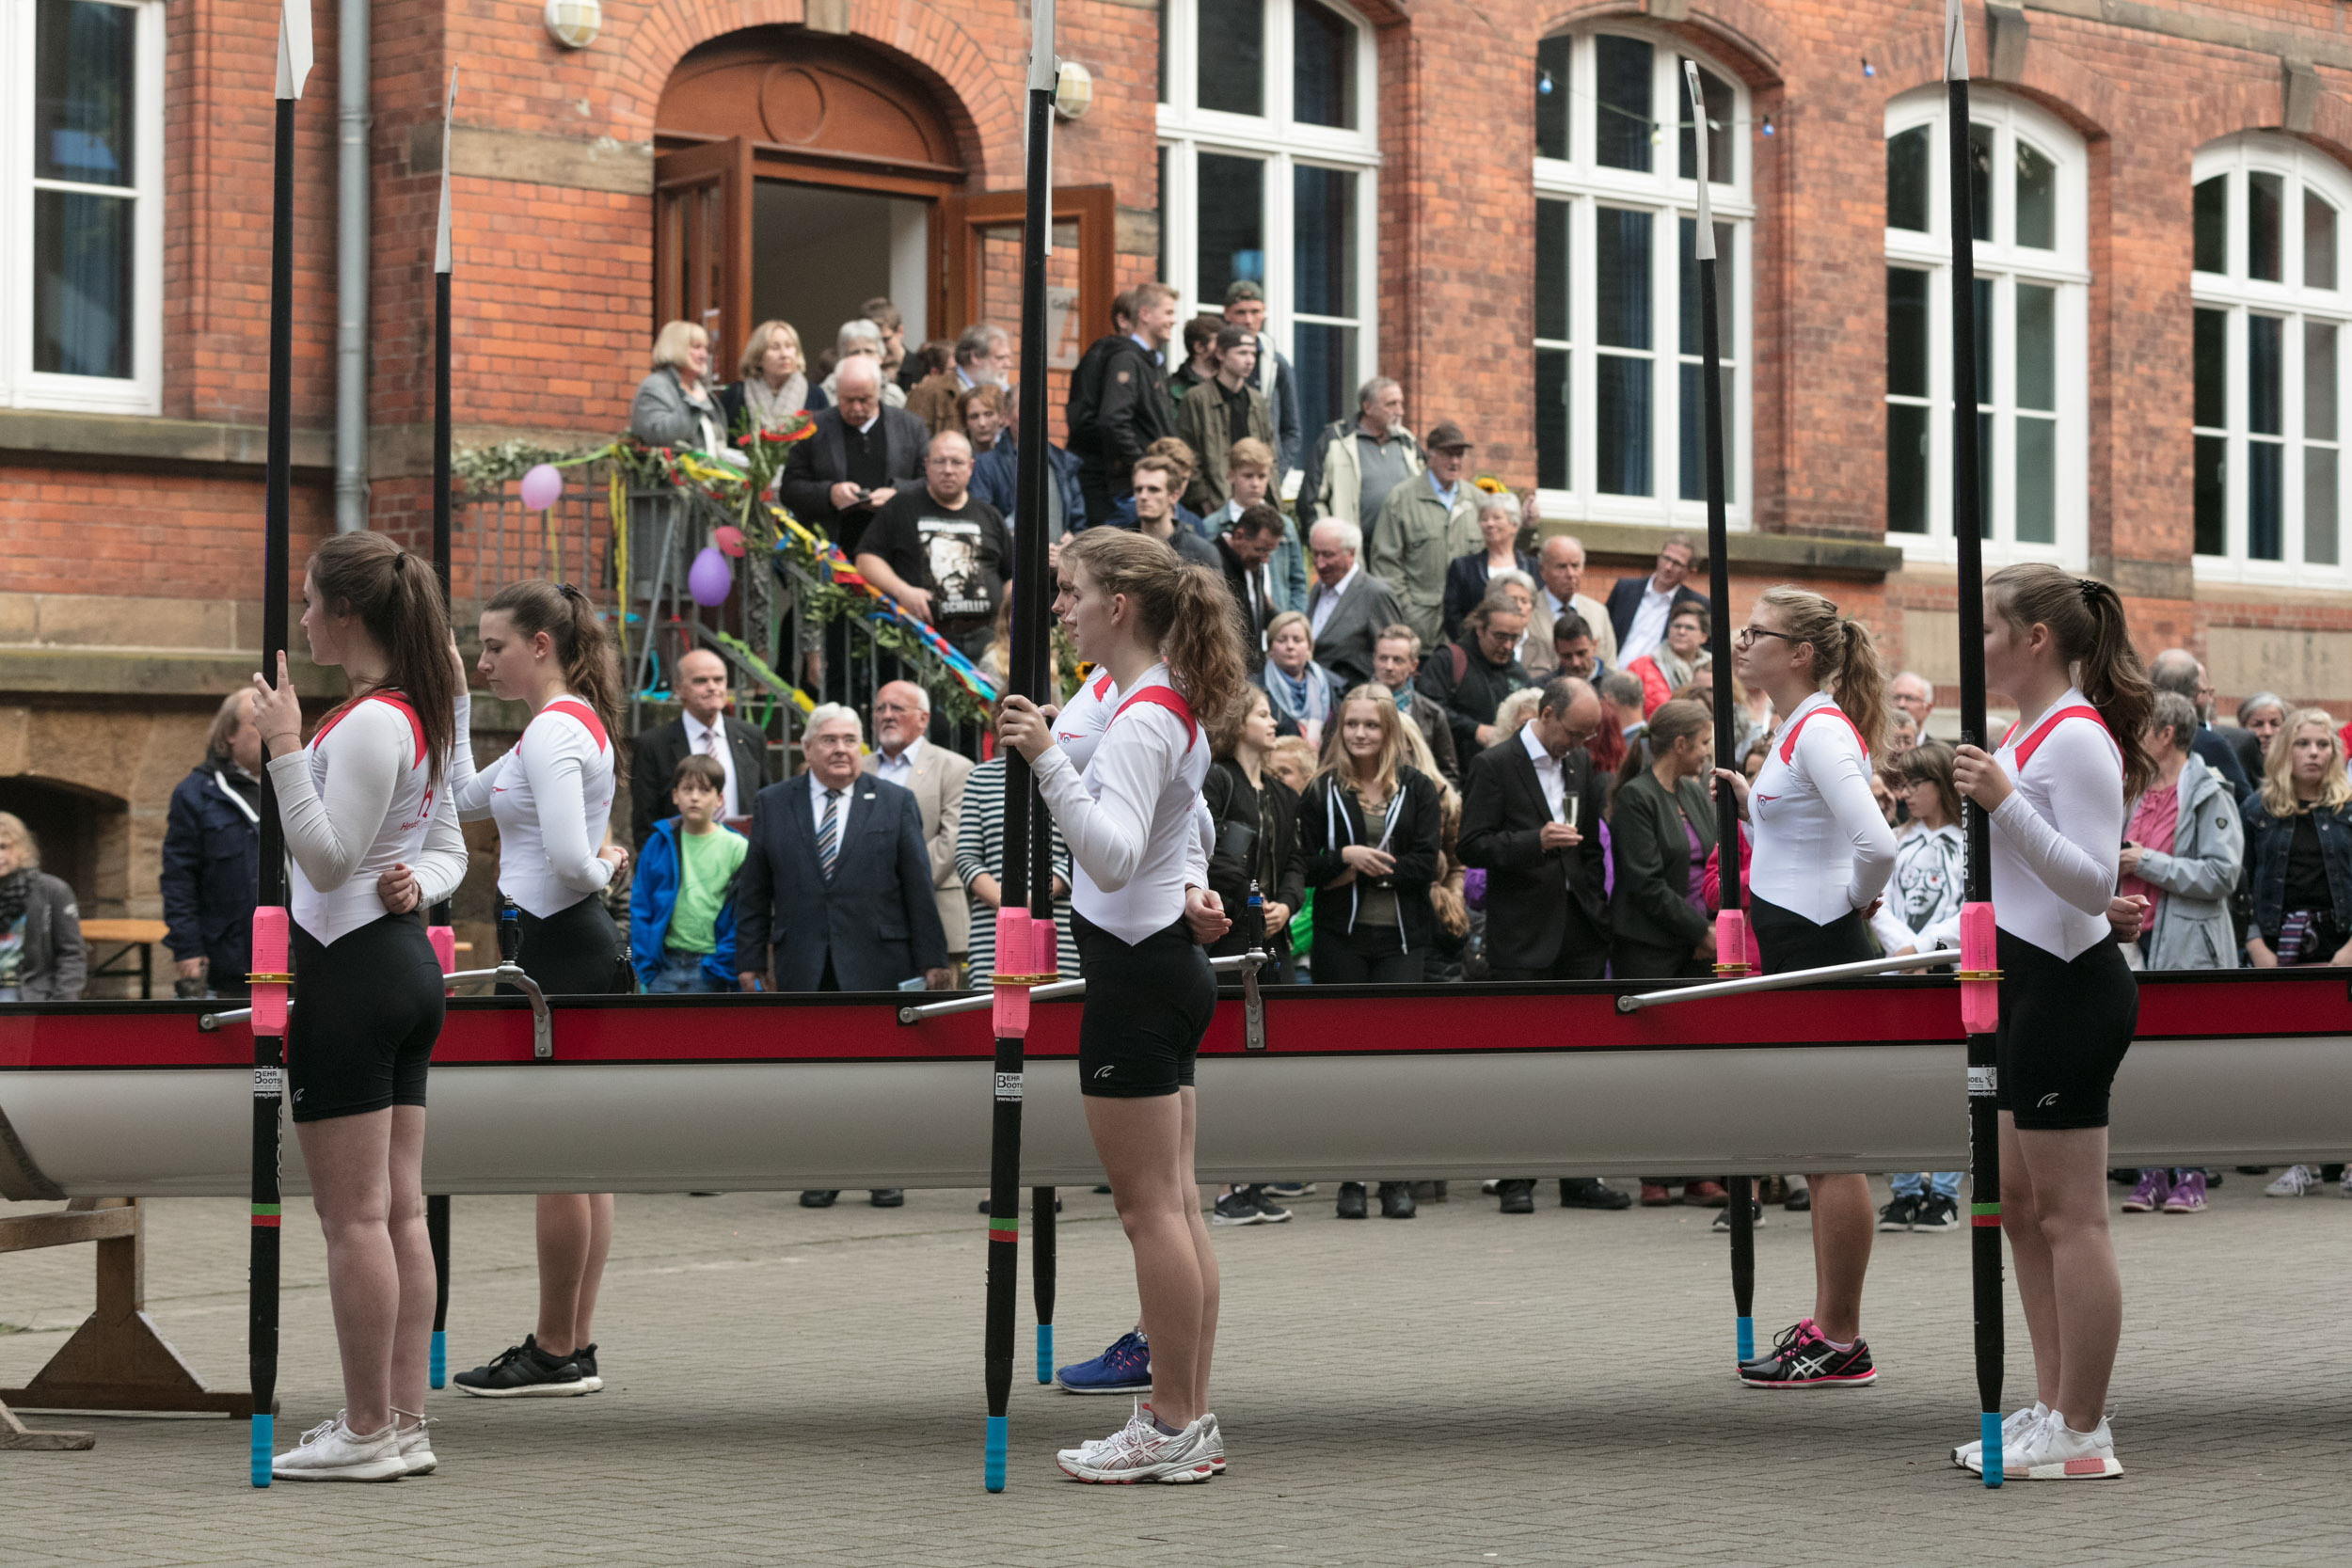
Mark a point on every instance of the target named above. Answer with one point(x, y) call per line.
point(1649, 623)
point(1326, 602)
point(841, 809)
point(899, 769)
point(711, 741)
point(1547, 770)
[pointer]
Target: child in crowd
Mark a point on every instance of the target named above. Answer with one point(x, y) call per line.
point(681, 921)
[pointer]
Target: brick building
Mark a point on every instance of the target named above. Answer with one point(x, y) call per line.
point(1487, 202)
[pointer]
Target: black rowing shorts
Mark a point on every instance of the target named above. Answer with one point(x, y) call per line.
point(1786, 940)
point(2064, 1029)
point(574, 952)
point(1146, 1007)
point(366, 1013)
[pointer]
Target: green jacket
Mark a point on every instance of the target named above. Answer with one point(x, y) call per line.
point(1411, 542)
point(1203, 426)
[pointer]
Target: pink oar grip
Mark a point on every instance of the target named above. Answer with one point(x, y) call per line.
point(1735, 944)
point(270, 956)
point(1013, 948)
point(1979, 954)
point(444, 942)
point(1044, 946)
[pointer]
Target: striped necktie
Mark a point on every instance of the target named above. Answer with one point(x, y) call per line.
point(829, 834)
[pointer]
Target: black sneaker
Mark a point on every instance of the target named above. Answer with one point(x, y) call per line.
point(818, 1197)
point(1902, 1214)
point(888, 1197)
point(1268, 1210)
point(585, 1359)
point(1236, 1208)
point(1591, 1192)
point(1802, 1358)
point(1756, 1217)
point(1937, 1212)
point(1396, 1201)
point(524, 1371)
point(1519, 1196)
point(1351, 1206)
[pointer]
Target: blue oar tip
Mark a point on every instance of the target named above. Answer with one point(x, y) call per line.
point(436, 1372)
point(1045, 1353)
point(993, 1472)
point(1990, 1427)
point(1747, 1339)
point(260, 1448)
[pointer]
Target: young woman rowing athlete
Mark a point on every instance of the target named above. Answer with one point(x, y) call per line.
point(2058, 646)
point(1167, 633)
point(1822, 854)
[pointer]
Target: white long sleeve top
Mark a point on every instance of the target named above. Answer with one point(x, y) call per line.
point(2057, 838)
point(1132, 815)
point(356, 801)
point(1822, 846)
point(1923, 895)
point(551, 796)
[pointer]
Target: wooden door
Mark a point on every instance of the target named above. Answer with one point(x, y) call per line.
point(981, 274)
point(702, 243)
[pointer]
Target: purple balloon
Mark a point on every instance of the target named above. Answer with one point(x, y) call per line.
point(709, 579)
point(542, 488)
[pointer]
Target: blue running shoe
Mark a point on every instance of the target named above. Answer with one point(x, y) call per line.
point(1123, 1369)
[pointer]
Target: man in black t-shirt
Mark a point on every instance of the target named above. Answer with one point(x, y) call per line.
point(941, 551)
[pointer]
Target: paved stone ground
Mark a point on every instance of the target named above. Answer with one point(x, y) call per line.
point(794, 1386)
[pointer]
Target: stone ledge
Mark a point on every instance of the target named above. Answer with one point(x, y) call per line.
point(534, 158)
point(1821, 555)
point(140, 441)
point(206, 673)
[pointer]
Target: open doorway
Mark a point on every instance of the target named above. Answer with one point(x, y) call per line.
point(821, 252)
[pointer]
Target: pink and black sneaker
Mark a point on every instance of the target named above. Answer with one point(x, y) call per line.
point(1800, 1358)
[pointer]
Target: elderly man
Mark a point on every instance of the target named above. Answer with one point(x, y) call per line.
point(983, 358)
point(1915, 694)
point(856, 459)
point(1638, 607)
point(1560, 566)
point(1356, 462)
point(699, 679)
point(1245, 308)
point(2178, 670)
point(863, 338)
point(1395, 657)
point(940, 550)
point(212, 857)
point(1423, 524)
point(935, 777)
point(1470, 678)
point(1219, 411)
point(1347, 607)
point(1118, 395)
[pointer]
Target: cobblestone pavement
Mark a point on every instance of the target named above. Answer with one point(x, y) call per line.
point(788, 1385)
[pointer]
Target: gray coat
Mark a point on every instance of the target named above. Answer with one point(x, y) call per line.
point(661, 414)
point(55, 963)
point(2192, 927)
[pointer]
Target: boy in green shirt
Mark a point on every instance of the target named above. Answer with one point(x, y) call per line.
point(681, 914)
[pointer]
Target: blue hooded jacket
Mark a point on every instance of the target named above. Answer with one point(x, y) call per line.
point(651, 897)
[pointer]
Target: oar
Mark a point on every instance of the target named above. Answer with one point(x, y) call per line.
point(1786, 980)
point(443, 936)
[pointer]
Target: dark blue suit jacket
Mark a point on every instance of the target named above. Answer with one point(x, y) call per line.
point(877, 916)
point(1624, 600)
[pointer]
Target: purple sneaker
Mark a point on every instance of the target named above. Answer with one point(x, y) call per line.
point(2188, 1194)
point(2155, 1186)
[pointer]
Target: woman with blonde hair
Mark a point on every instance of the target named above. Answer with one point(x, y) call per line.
point(1301, 691)
point(771, 388)
point(676, 406)
point(41, 956)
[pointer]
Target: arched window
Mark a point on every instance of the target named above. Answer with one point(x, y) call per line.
point(1618, 413)
point(2027, 198)
point(2271, 306)
point(1269, 150)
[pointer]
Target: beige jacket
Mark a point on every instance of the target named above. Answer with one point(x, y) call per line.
point(1413, 539)
point(1539, 656)
point(937, 784)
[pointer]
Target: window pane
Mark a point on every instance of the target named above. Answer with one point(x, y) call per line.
point(2212, 201)
point(1551, 98)
point(2212, 369)
point(83, 76)
point(1552, 270)
point(1716, 94)
point(2037, 346)
point(1230, 217)
point(81, 284)
point(2319, 243)
point(1691, 455)
point(1163, 68)
point(2210, 488)
point(1907, 180)
point(1906, 333)
point(1621, 264)
point(1551, 419)
point(2037, 199)
point(2264, 341)
point(1323, 73)
point(1980, 181)
point(1325, 357)
point(2266, 485)
point(2037, 481)
point(1906, 468)
point(2264, 194)
point(1692, 340)
point(2319, 381)
point(1622, 121)
point(1324, 256)
point(1232, 59)
point(1621, 442)
point(2319, 505)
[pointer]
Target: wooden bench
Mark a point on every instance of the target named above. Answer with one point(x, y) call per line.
point(143, 935)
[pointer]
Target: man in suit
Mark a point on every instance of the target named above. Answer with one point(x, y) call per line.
point(1532, 806)
point(1560, 566)
point(1639, 607)
point(701, 680)
point(1347, 607)
point(860, 456)
point(934, 776)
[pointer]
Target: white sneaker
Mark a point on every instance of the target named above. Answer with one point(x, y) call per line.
point(332, 1452)
point(416, 1448)
point(1141, 1452)
point(2293, 1182)
point(2056, 1452)
point(2346, 1186)
point(1969, 1456)
point(1215, 1440)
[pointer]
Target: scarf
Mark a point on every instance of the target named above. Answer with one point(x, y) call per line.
point(1297, 697)
point(770, 409)
point(16, 892)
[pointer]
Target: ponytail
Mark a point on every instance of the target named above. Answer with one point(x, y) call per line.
point(398, 599)
point(1845, 659)
point(2085, 620)
point(582, 647)
point(1185, 611)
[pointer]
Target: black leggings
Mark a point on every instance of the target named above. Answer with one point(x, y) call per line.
point(1363, 958)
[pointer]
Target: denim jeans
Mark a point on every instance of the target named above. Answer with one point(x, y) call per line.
point(1905, 1183)
point(681, 972)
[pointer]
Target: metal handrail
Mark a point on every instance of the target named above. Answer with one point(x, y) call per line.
point(542, 1017)
point(1858, 969)
point(1247, 962)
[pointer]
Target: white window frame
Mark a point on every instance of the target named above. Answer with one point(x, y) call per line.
point(2291, 301)
point(1186, 130)
point(2004, 264)
point(1585, 184)
point(21, 386)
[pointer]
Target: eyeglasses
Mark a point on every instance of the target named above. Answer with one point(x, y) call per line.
point(1747, 636)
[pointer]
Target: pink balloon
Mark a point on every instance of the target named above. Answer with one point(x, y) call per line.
point(730, 539)
point(542, 488)
point(709, 578)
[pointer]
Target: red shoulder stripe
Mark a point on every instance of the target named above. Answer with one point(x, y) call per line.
point(2027, 748)
point(1102, 686)
point(393, 698)
point(581, 711)
point(1168, 698)
point(1789, 741)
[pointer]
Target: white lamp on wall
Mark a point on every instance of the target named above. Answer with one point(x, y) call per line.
point(573, 23)
point(1073, 90)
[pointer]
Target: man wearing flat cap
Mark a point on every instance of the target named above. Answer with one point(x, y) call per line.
point(1424, 523)
point(1245, 308)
